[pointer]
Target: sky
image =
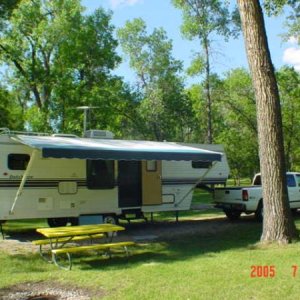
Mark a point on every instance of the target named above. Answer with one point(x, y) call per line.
point(161, 13)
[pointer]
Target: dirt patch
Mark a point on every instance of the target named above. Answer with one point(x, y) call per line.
point(47, 291)
point(172, 229)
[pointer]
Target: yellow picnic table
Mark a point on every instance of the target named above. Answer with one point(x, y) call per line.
point(71, 231)
point(59, 239)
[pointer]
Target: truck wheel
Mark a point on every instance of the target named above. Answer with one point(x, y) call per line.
point(294, 211)
point(57, 222)
point(259, 213)
point(232, 215)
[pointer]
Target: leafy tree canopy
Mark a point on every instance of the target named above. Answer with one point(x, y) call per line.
point(57, 59)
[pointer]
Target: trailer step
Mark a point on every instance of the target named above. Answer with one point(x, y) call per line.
point(133, 214)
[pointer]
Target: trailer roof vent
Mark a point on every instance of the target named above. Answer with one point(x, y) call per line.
point(98, 134)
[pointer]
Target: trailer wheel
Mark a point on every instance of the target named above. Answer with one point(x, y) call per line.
point(57, 222)
point(232, 214)
point(74, 221)
point(110, 219)
point(259, 213)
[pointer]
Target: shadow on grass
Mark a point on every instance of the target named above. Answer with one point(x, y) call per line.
point(24, 263)
point(216, 235)
point(242, 234)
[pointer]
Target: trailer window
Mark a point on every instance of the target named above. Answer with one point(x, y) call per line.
point(17, 161)
point(201, 164)
point(151, 165)
point(100, 174)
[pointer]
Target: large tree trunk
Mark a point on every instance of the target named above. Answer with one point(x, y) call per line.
point(277, 224)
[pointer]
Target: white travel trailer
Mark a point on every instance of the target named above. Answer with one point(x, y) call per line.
point(64, 178)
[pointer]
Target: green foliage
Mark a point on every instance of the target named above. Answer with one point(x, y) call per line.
point(58, 59)
point(164, 110)
point(197, 95)
point(197, 65)
point(6, 9)
point(10, 112)
point(289, 87)
point(276, 7)
point(197, 131)
point(238, 132)
point(202, 19)
point(237, 126)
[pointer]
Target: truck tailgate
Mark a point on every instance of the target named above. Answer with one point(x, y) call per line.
point(229, 195)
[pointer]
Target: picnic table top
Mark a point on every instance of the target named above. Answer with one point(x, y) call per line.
point(56, 232)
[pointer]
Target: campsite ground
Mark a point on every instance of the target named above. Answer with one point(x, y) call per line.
point(203, 256)
point(19, 244)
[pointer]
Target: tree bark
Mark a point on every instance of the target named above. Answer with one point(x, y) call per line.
point(209, 136)
point(278, 225)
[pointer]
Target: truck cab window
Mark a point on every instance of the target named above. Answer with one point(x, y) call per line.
point(100, 174)
point(290, 179)
point(257, 180)
point(17, 161)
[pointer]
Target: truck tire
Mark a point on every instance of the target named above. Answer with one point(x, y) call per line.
point(259, 213)
point(232, 214)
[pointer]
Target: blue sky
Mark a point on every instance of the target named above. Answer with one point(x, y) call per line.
point(161, 13)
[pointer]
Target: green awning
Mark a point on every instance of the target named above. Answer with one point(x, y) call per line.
point(112, 149)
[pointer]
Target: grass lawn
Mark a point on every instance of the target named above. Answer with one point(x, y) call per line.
point(206, 266)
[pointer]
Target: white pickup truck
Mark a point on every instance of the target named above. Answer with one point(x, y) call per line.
point(248, 199)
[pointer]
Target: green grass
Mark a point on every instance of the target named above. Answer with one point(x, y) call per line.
point(243, 182)
point(196, 266)
point(206, 266)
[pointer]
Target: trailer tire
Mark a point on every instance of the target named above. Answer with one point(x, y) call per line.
point(57, 222)
point(74, 221)
point(110, 219)
point(259, 213)
point(232, 214)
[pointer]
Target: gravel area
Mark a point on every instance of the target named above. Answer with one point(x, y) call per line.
point(46, 291)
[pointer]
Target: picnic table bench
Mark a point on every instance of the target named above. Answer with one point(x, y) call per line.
point(61, 240)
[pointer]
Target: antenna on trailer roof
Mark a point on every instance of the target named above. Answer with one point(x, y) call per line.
point(85, 110)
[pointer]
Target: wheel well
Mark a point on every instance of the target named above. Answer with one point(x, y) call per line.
point(260, 202)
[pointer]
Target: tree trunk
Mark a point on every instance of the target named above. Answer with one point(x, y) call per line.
point(209, 136)
point(277, 224)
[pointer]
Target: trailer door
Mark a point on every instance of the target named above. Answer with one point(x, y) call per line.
point(129, 182)
point(151, 182)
